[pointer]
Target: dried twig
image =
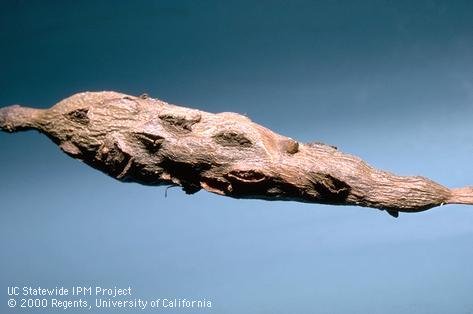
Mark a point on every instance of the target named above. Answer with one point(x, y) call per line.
point(148, 141)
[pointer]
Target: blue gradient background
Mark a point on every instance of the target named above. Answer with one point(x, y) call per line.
point(389, 81)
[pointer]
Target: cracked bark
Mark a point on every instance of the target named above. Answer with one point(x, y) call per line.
point(145, 140)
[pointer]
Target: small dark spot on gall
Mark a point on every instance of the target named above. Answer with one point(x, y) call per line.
point(79, 116)
point(232, 138)
point(151, 141)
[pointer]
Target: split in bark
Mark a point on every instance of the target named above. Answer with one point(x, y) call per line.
point(148, 141)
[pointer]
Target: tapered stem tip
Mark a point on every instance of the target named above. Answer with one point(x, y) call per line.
point(16, 118)
point(462, 196)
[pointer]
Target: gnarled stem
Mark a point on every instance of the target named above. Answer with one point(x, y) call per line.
point(149, 141)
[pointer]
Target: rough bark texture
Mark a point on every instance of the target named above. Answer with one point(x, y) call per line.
point(149, 141)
